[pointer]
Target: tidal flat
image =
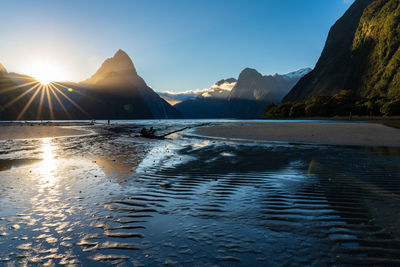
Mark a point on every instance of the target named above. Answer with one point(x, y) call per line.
point(112, 198)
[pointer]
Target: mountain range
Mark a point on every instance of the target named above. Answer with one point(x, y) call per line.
point(116, 91)
point(361, 55)
point(245, 97)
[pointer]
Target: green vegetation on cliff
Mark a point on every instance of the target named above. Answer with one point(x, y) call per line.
point(376, 50)
point(365, 59)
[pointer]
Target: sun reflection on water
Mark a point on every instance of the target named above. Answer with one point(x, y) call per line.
point(49, 163)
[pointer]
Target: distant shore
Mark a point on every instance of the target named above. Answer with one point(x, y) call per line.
point(335, 133)
point(28, 131)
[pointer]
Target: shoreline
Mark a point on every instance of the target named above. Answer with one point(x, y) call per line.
point(328, 133)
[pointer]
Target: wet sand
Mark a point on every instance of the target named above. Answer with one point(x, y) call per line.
point(336, 133)
point(111, 199)
point(20, 131)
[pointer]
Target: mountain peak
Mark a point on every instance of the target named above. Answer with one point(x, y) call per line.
point(249, 73)
point(120, 63)
point(120, 54)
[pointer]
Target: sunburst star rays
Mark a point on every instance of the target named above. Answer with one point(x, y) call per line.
point(44, 91)
point(70, 100)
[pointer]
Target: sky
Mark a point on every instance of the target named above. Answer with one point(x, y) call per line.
point(176, 45)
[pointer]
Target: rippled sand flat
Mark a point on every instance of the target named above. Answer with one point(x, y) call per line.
point(114, 199)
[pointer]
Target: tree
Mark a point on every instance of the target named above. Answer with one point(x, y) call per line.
point(283, 109)
point(343, 103)
point(391, 108)
point(271, 111)
point(298, 110)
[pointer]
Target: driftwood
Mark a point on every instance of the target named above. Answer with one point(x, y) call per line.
point(151, 133)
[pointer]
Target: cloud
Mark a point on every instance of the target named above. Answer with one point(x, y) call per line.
point(219, 90)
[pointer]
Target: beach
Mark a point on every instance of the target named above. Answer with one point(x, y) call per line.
point(332, 133)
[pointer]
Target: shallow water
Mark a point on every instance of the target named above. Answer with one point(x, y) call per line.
point(111, 198)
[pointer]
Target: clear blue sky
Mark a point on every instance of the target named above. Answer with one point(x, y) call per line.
point(176, 45)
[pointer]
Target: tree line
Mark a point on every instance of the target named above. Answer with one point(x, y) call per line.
point(345, 103)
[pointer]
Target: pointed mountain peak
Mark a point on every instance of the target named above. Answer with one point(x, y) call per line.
point(120, 63)
point(120, 54)
point(2, 69)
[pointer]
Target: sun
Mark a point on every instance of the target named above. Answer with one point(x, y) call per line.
point(46, 72)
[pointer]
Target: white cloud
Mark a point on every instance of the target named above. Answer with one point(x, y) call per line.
point(217, 91)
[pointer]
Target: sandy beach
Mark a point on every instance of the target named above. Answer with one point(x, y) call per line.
point(20, 131)
point(337, 133)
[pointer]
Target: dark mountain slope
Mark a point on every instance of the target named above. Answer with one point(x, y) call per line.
point(13, 100)
point(337, 68)
point(376, 51)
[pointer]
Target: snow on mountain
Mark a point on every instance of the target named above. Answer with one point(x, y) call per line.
point(296, 74)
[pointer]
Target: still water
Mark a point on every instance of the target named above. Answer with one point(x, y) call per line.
point(111, 198)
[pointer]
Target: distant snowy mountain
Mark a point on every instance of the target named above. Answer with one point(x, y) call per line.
point(253, 91)
point(246, 97)
point(295, 74)
point(252, 85)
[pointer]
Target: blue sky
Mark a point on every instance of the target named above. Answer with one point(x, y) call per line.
point(176, 45)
